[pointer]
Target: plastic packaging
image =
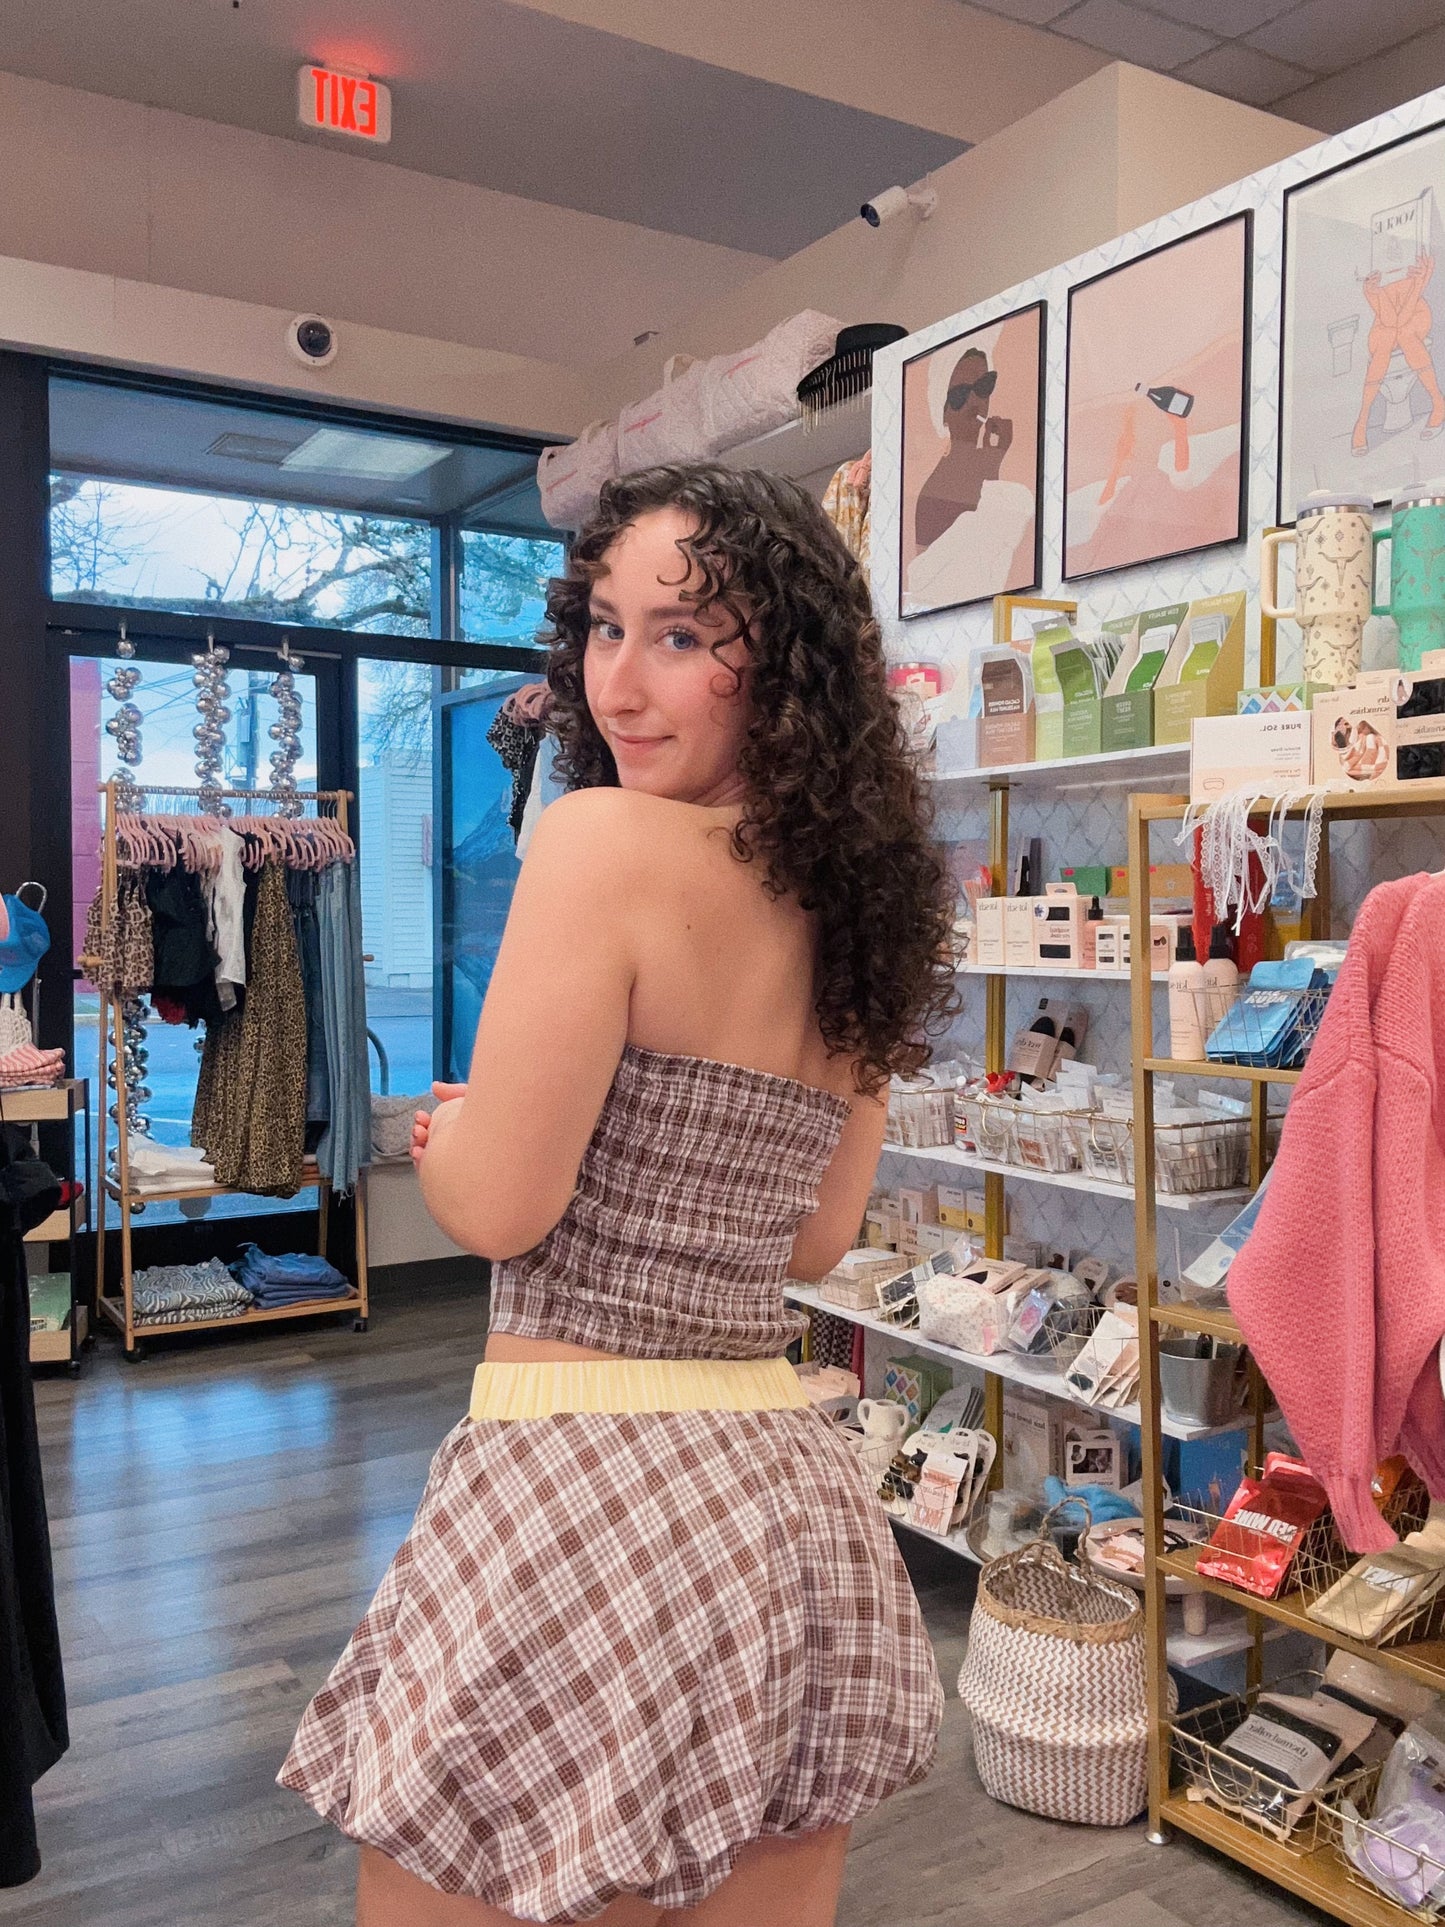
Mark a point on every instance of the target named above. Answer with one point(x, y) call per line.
point(1254, 1545)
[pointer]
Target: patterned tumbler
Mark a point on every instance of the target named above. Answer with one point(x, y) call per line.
point(1333, 585)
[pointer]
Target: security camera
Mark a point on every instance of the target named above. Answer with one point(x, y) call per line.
point(899, 200)
point(311, 340)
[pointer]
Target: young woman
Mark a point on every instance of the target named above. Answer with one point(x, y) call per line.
point(649, 1648)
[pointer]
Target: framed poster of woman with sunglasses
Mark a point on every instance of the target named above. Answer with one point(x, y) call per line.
point(1156, 405)
point(972, 459)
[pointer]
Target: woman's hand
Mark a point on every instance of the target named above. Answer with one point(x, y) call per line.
point(422, 1121)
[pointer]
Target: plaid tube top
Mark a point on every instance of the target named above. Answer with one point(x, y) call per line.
point(676, 1241)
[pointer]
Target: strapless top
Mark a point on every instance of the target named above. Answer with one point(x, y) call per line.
point(677, 1238)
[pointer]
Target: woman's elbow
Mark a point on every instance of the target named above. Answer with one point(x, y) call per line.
point(488, 1228)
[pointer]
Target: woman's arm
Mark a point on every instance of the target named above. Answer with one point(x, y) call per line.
point(501, 1163)
point(822, 1238)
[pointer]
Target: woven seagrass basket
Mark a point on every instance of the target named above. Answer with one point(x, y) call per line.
point(1055, 1681)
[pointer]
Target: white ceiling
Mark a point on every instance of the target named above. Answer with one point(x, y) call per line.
point(1325, 63)
point(505, 98)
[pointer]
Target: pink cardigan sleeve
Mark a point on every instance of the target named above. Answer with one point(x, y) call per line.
point(1303, 1287)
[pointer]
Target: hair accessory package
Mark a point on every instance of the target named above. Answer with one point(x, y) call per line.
point(1400, 1847)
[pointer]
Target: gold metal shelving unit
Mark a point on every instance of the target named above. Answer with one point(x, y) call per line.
point(1320, 1877)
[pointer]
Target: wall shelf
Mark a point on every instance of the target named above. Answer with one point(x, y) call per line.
point(1121, 769)
point(1066, 1180)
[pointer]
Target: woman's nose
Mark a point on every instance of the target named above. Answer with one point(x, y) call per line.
point(621, 691)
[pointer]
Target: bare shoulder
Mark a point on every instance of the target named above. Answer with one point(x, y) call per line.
point(620, 834)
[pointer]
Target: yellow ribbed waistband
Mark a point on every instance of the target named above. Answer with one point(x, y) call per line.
point(540, 1389)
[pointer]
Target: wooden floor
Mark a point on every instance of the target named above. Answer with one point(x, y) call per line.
point(221, 1514)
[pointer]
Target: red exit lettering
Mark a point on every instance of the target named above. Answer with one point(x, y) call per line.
point(344, 103)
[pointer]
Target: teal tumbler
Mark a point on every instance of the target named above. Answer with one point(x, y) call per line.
point(1417, 570)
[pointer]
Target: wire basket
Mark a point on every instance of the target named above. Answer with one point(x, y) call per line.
point(1272, 1028)
point(1103, 1146)
point(1347, 1824)
point(985, 1125)
point(1205, 1771)
point(1324, 1564)
point(1068, 1329)
point(1043, 1140)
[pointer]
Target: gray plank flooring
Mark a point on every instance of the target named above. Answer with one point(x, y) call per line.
point(220, 1516)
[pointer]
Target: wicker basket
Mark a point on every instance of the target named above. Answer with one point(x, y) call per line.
point(1055, 1682)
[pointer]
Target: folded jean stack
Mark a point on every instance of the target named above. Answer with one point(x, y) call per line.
point(289, 1280)
point(26, 1068)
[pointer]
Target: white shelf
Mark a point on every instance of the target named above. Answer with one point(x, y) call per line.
point(1050, 973)
point(1067, 1180)
point(1039, 1375)
point(955, 1542)
point(838, 435)
point(1123, 768)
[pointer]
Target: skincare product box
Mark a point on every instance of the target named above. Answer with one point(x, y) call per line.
point(1127, 711)
point(1165, 880)
point(1083, 667)
point(1278, 698)
point(1265, 753)
point(988, 933)
point(1354, 734)
point(1006, 683)
point(1018, 932)
point(958, 743)
point(1059, 928)
point(953, 1208)
point(1111, 944)
point(1049, 632)
point(1204, 670)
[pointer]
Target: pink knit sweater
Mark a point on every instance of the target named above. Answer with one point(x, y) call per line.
point(1340, 1292)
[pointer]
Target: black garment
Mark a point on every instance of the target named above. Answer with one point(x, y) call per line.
point(186, 959)
point(33, 1731)
point(517, 745)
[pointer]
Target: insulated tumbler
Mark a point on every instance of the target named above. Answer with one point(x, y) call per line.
point(1417, 570)
point(1333, 581)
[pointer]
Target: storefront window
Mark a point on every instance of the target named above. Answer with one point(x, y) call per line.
point(133, 546)
point(504, 586)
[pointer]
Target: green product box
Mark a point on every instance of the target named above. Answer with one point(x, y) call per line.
point(1081, 727)
point(1127, 722)
point(1204, 671)
point(1048, 696)
point(1089, 879)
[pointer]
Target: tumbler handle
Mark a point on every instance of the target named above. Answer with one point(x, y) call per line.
point(1269, 548)
point(1377, 537)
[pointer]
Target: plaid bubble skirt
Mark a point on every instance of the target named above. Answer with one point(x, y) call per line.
point(615, 1648)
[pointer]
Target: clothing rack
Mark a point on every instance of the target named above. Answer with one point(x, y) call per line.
point(121, 1311)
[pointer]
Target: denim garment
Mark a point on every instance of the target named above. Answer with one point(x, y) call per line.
point(346, 1143)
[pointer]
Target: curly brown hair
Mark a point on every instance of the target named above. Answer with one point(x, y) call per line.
point(834, 808)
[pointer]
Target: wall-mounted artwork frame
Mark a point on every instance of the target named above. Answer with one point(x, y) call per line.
point(1156, 409)
point(972, 465)
point(1362, 334)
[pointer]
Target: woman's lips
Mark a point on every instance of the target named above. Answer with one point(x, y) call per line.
point(637, 742)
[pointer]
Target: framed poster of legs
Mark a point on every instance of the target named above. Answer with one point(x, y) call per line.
point(1156, 407)
point(972, 461)
point(1362, 355)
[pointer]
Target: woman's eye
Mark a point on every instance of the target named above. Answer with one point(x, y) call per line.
point(680, 639)
point(600, 625)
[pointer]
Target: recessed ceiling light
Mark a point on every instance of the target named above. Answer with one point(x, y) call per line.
point(378, 458)
point(266, 449)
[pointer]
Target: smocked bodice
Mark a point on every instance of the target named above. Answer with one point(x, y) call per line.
point(677, 1238)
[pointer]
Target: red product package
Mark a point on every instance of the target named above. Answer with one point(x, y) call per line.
point(1254, 1545)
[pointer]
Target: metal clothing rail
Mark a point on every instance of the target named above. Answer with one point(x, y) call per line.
point(121, 1311)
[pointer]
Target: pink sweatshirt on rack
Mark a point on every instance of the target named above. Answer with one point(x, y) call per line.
point(1340, 1292)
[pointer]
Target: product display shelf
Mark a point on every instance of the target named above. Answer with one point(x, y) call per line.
point(117, 1188)
point(1115, 769)
point(807, 449)
point(1203, 1068)
point(1047, 975)
point(1320, 1877)
point(59, 1104)
point(1037, 1374)
point(1420, 1659)
point(1064, 1180)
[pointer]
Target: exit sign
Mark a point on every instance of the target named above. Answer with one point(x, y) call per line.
point(343, 103)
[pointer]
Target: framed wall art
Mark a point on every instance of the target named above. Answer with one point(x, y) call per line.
point(1156, 406)
point(1362, 355)
point(972, 465)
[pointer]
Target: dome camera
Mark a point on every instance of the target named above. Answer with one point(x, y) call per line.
point(312, 340)
point(920, 201)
